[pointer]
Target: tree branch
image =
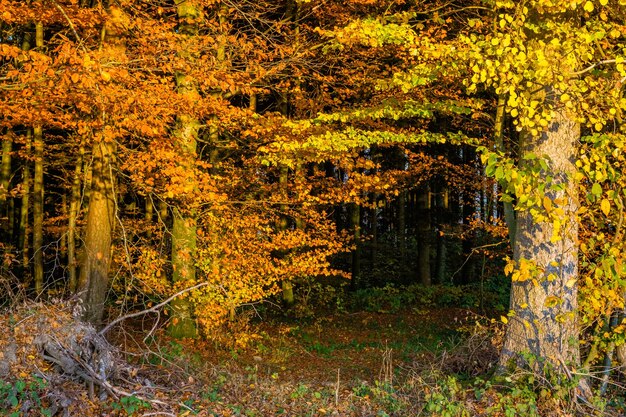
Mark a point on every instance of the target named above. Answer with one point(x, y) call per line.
point(152, 309)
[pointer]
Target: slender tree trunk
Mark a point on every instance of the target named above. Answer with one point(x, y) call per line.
point(545, 306)
point(94, 274)
point(442, 249)
point(73, 217)
point(22, 239)
point(282, 224)
point(620, 351)
point(5, 179)
point(424, 236)
point(38, 190)
point(355, 224)
point(401, 223)
point(38, 211)
point(374, 232)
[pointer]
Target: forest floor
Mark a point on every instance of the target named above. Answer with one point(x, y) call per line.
point(343, 364)
point(405, 362)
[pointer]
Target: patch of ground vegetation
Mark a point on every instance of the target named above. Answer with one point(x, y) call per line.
point(371, 356)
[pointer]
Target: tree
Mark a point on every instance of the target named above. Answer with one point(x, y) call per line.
point(529, 58)
point(535, 59)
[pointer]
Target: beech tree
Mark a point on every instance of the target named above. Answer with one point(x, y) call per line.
point(547, 65)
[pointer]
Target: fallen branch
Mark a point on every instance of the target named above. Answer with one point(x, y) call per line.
point(152, 309)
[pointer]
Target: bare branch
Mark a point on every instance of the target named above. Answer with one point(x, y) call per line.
point(152, 309)
point(592, 66)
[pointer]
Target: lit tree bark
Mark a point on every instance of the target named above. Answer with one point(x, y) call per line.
point(5, 178)
point(184, 225)
point(545, 311)
point(94, 273)
point(38, 191)
point(38, 211)
point(281, 225)
point(93, 281)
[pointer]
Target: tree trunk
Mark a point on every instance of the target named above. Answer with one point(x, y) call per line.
point(442, 206)
point(38, 211)
point(183, 250)
point(373, 217)
point(5, 179)
point(424, 236)
point(22, 239)
point(355, 224)
point(184, 227)
point(544, 307)
point(38, 191)
point(282, 223)
point(401, 232)
point(73, 217)
point(94, 274)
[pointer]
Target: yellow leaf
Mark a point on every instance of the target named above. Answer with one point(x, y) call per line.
point(547, 203)
point(605, 206)
point(504, 319)
point(570, 283)
point(588, 7)
point(552, 301)
point(604, 2)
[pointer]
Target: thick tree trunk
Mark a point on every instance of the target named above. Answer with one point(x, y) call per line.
point(544, 307)
point(184, 227)
point(183, 250)
point(94, 274)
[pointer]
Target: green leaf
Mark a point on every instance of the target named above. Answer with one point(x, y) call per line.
point(596, 189)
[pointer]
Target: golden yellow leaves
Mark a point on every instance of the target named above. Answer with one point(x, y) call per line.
point(552, 301)
point(605, 206)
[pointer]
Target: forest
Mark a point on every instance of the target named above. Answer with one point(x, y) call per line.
point(312, 208)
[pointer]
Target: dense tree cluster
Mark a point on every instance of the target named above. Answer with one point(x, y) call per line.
point(257, 146)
